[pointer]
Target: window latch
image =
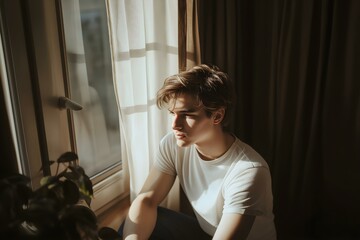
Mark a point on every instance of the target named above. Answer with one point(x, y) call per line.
point(66, 103)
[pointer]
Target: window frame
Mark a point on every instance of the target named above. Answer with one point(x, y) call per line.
point(34, 49)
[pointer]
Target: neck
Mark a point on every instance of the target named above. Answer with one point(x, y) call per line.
point(216, 146)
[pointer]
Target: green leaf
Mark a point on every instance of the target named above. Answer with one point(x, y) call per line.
point(79, 220)
point(71, 176)
point(47, 180)
point(67, 157)
point(71, 192)
point(77, 169)
point(106, 233)
point(86, 198)
point(87, 185)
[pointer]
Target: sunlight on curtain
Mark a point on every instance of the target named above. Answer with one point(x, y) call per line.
point(144, 49)
point(189, 42)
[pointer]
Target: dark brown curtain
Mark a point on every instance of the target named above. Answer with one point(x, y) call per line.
point(296, 68)
point(188, 37)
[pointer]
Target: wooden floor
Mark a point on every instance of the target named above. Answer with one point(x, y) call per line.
point(114, 216)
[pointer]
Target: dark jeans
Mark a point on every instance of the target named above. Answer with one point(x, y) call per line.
point(171, 225)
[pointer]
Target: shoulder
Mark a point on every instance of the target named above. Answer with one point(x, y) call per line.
point(168, 140)
point(168, 144)
point(248, 165)
point(248, 157)
point(166, 154)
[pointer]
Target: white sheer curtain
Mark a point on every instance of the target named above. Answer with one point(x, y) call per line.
point(144, 41)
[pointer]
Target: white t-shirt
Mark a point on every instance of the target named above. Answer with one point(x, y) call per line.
point(237, 182)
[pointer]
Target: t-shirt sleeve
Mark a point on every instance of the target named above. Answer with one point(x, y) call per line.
point(166, 155)
point(247, 192)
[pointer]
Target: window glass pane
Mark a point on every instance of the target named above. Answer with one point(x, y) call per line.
point(91, 85)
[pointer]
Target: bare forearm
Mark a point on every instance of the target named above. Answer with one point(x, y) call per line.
point(141, 220)
point(234, 226)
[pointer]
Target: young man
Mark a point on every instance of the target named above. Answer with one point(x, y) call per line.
point(227, 182)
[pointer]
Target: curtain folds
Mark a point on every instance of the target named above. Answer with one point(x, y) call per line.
point(296, 70)
point(189, 42)
point(145, 51)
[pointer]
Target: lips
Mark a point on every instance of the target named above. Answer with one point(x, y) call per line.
point(180, 135)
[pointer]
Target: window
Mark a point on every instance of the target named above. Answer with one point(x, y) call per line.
point(55, 49)
point(90, 84)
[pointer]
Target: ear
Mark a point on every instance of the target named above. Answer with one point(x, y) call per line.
point(218, 115)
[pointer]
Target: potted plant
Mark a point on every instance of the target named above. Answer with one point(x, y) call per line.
point(59, 209)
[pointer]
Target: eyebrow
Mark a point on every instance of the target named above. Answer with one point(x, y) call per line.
point(191, 110)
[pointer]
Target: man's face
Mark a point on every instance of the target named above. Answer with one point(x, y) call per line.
point(190, 124)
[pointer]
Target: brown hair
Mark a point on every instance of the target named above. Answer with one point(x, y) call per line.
point(210, 86)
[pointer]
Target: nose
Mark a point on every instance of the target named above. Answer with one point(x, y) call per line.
point(176, 124)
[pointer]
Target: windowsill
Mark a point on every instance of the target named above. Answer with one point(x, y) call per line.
point(109, 192)
point(115, 215)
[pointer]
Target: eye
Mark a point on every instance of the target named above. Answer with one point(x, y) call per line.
point(190, 115)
